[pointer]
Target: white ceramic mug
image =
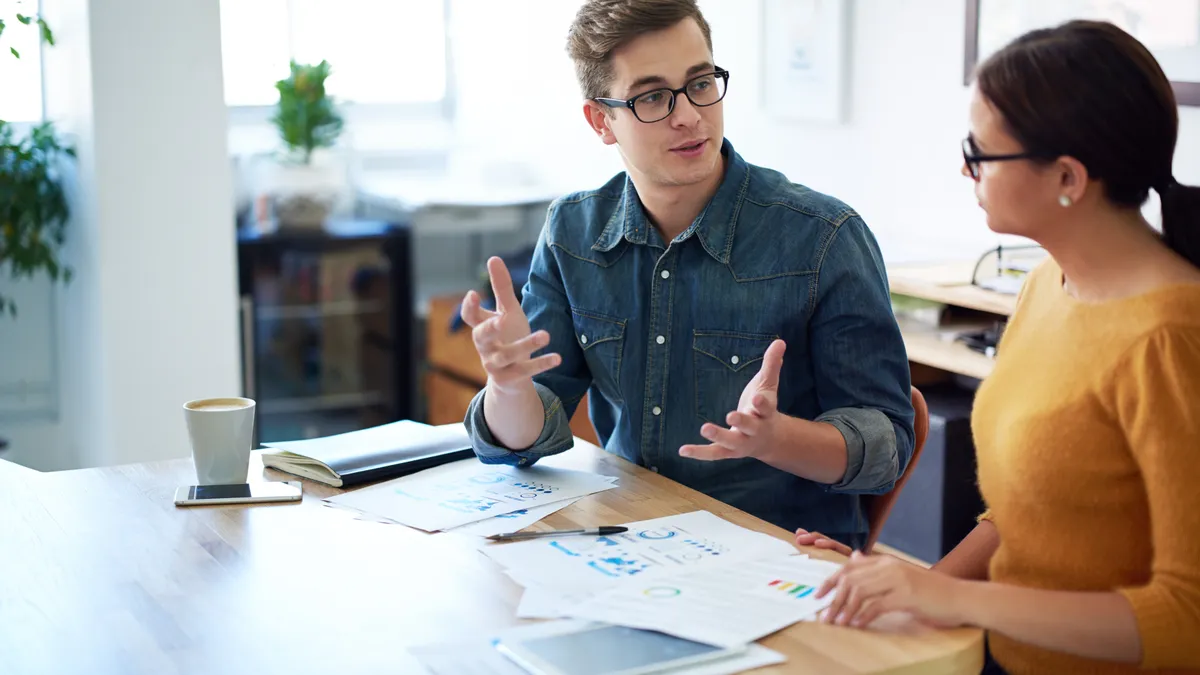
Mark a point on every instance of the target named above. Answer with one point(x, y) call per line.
point(221, 431)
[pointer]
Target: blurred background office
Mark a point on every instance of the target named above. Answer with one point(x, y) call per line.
point(209, 256)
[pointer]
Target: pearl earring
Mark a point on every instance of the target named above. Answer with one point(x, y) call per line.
point(1064, 201)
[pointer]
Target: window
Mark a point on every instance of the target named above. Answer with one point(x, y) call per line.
point(22, 78)
point(382, 51)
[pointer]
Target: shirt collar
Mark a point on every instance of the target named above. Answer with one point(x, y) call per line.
point(714, 226)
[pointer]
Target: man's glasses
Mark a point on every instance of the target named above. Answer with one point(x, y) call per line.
point(973, 158)
point(658, 104)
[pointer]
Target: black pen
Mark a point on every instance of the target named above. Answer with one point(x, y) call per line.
point(594, 531)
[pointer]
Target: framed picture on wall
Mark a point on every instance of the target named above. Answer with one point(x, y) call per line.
point(1170, 29)
point(805, 57)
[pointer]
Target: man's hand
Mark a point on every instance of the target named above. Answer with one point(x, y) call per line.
point(818, 540)
point(753, 427)
point(503, 337)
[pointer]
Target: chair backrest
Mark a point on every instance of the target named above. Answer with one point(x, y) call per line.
point(879, 506)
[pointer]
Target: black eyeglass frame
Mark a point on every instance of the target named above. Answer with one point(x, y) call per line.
point(629, 103)
point(973, 158)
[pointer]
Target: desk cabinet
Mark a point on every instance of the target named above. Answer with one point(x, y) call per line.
point(455, 374)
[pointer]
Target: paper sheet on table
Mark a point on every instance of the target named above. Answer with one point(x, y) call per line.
point(650, 547)
point(727, 606)
point(468, 492)
point(479, 657)
point(511, 522)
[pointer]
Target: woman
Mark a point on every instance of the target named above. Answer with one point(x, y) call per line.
point(1088, 430)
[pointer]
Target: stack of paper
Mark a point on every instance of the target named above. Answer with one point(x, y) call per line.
point(727, 606)
point(693, 575)
point(468, 493)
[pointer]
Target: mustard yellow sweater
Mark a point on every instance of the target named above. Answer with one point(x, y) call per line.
point(1088, 442)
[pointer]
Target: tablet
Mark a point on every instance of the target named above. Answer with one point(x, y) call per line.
point(601, 649)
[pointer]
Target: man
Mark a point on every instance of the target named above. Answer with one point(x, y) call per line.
point(673, 291)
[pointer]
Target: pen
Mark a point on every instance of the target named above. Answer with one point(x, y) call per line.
point(594, 531)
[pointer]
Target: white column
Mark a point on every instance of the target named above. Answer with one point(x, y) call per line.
point(151, 318)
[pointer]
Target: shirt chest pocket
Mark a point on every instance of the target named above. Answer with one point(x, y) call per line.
point(724, 363)
point(602, 340)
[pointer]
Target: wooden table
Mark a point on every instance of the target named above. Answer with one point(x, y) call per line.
point(100, 573)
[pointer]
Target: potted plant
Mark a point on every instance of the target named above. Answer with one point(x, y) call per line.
point(33, 204)
point(303, 189)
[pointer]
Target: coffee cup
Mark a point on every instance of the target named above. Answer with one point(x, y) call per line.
point(221, 431)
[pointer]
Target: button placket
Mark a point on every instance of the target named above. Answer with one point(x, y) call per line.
point(658, 362)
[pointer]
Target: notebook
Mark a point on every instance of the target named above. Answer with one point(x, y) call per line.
point(386, 451)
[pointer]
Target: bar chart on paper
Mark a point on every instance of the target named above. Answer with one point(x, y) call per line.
point(724, 605)
point(791, 588)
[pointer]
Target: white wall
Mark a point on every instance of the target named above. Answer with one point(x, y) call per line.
point(896, 159)
point(150, 320)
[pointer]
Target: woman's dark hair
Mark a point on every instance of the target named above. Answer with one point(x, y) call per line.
point(1089, 90)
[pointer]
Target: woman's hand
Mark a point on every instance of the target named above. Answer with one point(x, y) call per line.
point(868, 586)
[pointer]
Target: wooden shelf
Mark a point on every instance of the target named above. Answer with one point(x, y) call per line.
point(949, 284)
point(926, 346)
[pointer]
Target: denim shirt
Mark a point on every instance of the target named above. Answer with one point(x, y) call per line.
point(666, 336)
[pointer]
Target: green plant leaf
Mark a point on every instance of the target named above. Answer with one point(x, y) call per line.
point(24, 19)
point(15, 52)
point(47, 34)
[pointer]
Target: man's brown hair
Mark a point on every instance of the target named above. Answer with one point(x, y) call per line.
point(603, 26)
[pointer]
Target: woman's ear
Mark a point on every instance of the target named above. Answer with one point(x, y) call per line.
point(600, 118)
point(1073, 180)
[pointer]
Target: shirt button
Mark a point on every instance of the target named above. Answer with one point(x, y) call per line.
point(734, 360)
point(583, 339)
point(660, 339)
point(656, 410)
point(666, 274)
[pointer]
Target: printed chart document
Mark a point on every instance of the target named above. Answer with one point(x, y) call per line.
point(512, 522)
point(468, 492)
point(726, 606)
point(649, 548)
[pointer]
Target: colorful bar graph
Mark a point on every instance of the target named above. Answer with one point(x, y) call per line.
point(792, 588)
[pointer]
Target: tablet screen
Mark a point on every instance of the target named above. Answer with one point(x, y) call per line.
point(609, 649)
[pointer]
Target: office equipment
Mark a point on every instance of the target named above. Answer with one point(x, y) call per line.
point(601, 649)
point(136, 581)
point(241, 493)
point(604, 531)
point(385, 451)
point(936, 359)
point(941, 501)
point(480, 657)
point(327, 321)
point(469, 491)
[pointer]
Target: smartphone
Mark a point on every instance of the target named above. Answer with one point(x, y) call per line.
point(602, 649)
point(240, 493)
